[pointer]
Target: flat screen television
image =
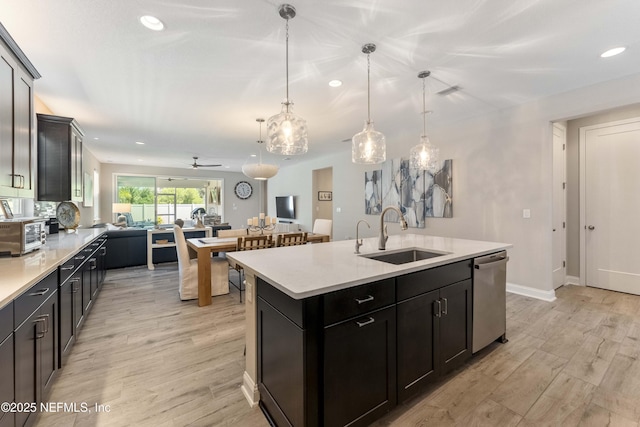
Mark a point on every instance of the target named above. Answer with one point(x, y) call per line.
point(285, 207)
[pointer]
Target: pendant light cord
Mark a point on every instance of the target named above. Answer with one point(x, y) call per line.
point(287, 63)
point(368, 88)
point(424, 109)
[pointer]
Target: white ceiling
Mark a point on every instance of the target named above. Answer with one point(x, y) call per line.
point(196, 88)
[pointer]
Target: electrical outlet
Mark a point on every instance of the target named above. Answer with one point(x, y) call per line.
point(526, 213)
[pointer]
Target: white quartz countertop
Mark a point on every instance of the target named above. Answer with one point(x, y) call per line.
point(314, 269)
point(17, 274)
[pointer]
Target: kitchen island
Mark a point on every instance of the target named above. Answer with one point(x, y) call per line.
point(300, 308)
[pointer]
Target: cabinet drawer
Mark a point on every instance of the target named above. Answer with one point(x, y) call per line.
point(28, 302)
point(6, 321)
point(420, 282)
point(67, 269)
point(340, 305)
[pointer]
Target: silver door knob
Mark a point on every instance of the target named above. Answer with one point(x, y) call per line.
point(591, 227)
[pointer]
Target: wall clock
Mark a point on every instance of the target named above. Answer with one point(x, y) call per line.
point(243, 190)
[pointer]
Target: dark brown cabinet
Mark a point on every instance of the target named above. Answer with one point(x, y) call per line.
point(348, 357)
point(59, 159)
point(358, 363)
point(16, 125)
point(69, 291)
point(36, 344)
point(330, 359)
point(434, 325)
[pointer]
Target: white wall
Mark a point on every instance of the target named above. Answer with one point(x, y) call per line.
point(502, 163)
point(236, 210)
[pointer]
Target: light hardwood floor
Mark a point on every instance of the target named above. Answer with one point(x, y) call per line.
point(157, 361)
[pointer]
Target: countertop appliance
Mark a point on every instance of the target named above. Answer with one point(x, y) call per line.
point(20, 236)
point(489, 300)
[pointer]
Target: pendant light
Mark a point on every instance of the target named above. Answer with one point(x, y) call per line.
point(425, 155)
point(287, 132)
point(368, 146)
point(260, 171)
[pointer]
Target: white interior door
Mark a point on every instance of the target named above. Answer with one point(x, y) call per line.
point(612, 203)
point(559, 206)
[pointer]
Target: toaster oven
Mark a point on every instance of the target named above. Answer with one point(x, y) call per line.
point(20, 236)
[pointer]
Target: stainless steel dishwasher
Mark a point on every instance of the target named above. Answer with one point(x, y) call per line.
point(489, 300)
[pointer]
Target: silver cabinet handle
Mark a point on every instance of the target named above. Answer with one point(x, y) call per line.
point(438, 310)
point(80, 257)
point(445, 309)
point(93, 263)
point(46, 323)
point(369, 321)
point(67, 267)
point(40, 334)
point(39, 293)
point(365, 299)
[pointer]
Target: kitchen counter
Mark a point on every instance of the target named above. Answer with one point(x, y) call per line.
point(309, 270)
point(19, 273)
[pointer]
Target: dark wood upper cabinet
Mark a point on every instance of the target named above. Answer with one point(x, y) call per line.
point(59, 159)
point(16, 120)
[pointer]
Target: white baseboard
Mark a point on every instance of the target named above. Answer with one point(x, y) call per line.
point(250, 390)
point(572, 280)
point(531, 292)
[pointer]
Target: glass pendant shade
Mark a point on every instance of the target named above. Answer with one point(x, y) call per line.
point(368, 146)
point(287, 132)
point(424, 156)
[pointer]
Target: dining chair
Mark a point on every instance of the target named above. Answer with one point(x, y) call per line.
point(291, 239)
point(249, 243)
point(233, 232)
point(188, 271)
point(322, 226)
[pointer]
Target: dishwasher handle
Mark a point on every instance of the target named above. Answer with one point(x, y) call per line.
point(491, 264)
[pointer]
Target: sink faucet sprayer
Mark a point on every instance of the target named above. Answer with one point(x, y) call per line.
point(383, 228)
point(359, 241)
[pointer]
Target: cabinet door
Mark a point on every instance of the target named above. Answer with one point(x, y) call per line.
point(86, 287)
point(67, 317)
point(48, 345)
point(26, 364)
point(78, 308)
point(7, 66)
point(6, 376)
point(22, 146)
point(455, 325)
point(417, 349)
point(76, 166)
point(93, 261)
point(360, 369)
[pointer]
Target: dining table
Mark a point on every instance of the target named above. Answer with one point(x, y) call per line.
point(202, 248)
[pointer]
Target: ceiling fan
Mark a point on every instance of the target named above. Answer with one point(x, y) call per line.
point(196, 165)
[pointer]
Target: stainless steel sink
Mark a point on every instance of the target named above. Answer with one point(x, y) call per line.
point(405, 255)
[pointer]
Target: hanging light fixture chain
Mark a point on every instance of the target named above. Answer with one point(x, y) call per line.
point(368, 88)
point(424, 108)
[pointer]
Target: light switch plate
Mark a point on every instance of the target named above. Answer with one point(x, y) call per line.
point(526, 213)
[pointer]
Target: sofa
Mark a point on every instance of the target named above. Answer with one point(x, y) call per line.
point(127, 247)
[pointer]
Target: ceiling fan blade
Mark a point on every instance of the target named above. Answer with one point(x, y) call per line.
point(208, 166)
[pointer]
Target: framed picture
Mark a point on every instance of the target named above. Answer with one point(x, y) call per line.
point(325, 196)
point(5, 209)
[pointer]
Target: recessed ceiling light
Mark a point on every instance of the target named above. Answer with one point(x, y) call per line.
point(335, 83)
point(96, 138)
point(139, 142)
point(252, 155)
point(613, 52)
point(227, 167)
point(139, 160)
point(152, 23)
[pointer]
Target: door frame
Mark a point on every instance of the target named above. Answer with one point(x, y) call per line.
point(563, 207)
point(583, 190)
